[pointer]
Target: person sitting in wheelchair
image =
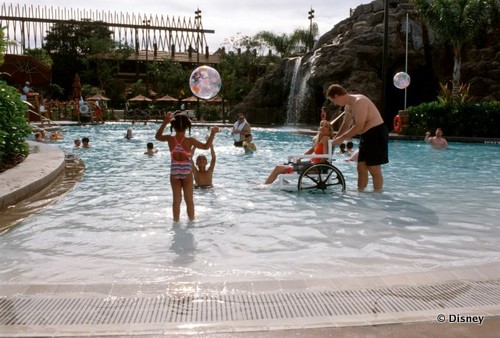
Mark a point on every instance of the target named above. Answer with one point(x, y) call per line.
point(320, 147)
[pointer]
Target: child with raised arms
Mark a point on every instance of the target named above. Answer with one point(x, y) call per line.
point(181, 149)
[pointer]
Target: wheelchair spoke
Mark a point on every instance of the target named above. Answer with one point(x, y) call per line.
point(321, 177)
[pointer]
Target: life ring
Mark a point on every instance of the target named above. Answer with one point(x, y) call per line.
point(397, 123)
point(84, 109)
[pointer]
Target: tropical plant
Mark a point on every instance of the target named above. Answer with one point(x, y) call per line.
point(464, 119)
point(282, 43)
point(300, 41)
point(446, 96)
point(455, 22)
point(169, 77)
point(239, 71)
point(3, 46)
point(13, 125)
point(241, 42)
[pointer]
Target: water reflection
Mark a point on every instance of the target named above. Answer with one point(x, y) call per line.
point(183, 242)
point(64, 182)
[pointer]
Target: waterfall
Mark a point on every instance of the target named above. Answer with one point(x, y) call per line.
point(292, 115)
point(300, 96)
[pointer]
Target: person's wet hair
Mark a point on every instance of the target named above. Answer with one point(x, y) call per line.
point(180, 122)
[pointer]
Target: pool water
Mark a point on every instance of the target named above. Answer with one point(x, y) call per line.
point(439, 209)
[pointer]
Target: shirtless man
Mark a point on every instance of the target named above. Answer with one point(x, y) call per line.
point(240, 129)
point(438, 141)
point(202, 175)
point(362, 117)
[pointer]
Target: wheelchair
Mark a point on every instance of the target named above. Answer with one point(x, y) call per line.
point(319, 177)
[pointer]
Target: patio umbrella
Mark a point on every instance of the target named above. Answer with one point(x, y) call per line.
point(216, 99)
point(22, 68)
point(191, 99)
point(98, 97)
point(167, 98)
point(140, 98)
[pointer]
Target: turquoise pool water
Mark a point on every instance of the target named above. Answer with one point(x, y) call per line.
point(439, 209)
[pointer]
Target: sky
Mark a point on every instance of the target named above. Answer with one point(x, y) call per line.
point(227, 17)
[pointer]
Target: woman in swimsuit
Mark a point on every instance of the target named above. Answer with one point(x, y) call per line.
point(181, 148)
point(320, 147)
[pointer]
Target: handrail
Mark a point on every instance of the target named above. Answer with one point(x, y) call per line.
point(338, 117)
point(43, 118)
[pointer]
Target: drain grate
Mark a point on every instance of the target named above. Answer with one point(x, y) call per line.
point(81, 309)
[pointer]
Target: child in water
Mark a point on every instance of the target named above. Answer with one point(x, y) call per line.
point(181, 149)
point(248, 144)
point(203, 175)
point(150, 149)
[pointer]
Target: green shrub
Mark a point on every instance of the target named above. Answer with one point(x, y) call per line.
point(456, 119)
point(13, 126)
point(209, 113)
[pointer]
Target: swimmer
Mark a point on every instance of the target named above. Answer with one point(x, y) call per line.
point(150, 150)
point(202, 175)
point(248, 144)
point(128, 136)
point(438, 141)
point(85, 142)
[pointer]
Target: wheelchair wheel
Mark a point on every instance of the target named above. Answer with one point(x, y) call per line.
point(322, 177)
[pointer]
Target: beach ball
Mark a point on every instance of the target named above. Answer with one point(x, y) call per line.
point(205, 82)
point(401, 80)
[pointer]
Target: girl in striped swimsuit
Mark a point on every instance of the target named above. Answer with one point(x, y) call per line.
point(181, 148)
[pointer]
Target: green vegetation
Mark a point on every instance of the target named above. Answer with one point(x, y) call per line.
point(13, 125)
point(86, 48)
point(456, 22)
point(456, 118)
point(299, 42)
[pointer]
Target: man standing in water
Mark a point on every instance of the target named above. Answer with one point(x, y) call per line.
point(362, 117)
point(240, 129)
point(438, 141)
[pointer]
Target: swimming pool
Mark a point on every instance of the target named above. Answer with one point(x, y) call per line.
point(439, 209)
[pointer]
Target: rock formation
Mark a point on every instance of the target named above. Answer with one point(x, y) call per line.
point(351, 54)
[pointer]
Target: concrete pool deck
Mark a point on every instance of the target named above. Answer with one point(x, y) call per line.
point(408, 305)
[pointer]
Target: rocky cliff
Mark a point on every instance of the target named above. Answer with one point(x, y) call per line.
point(351, 54)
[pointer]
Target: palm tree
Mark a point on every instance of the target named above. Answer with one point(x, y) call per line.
point(300, 41)
point(306, 36)
point(282, 43)
point(455, 22)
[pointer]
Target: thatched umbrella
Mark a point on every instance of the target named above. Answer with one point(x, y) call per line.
point(167, 98)
point(140, 98)
point(191, 99)
point(98, 97)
